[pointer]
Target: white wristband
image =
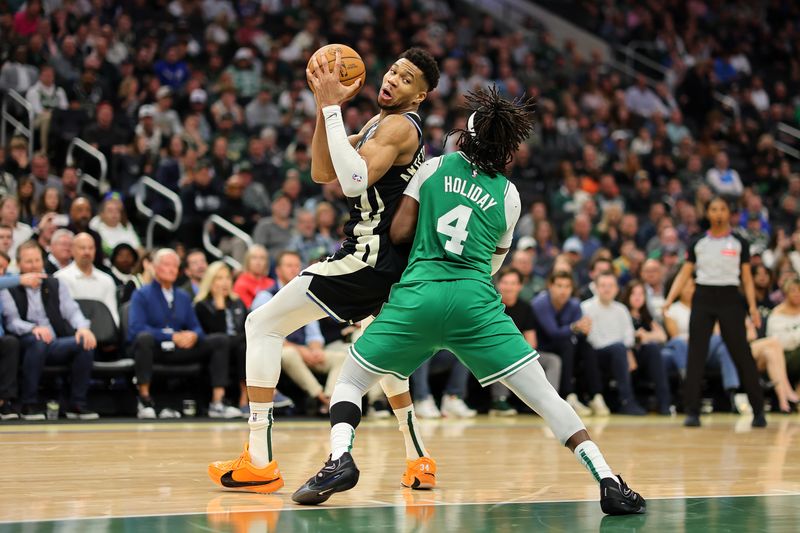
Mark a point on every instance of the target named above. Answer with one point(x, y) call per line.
point(351, 169)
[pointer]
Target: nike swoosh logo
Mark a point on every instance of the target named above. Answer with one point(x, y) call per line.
point(325, 491)
point(228, 481)
point(330, 116)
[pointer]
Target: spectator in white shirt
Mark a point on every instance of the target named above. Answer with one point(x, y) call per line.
point(16, 73)
point(148, 129)
point(6, 238)
point(612, 338)
point(113, 226)
point(9, 216)
point(45, 96)
point(165, 118)
point(724, 180)
point(84, 281)
point(758, 96)
point(640, 99)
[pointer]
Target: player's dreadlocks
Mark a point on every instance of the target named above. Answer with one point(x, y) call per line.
point(495, 129)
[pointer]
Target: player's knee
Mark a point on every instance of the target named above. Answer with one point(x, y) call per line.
point(393, 386)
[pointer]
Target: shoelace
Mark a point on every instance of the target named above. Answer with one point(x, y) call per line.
point(626, 491)
point(238, 461)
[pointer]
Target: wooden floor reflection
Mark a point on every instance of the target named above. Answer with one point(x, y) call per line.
point(103, 470)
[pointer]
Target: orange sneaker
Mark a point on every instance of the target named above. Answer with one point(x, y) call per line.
point(240, 474)
point(420, 473)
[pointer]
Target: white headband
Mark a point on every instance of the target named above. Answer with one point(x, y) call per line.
point(471, 123)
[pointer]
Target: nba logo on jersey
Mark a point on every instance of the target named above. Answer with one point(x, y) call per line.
point(729, 250)
point(357, 178)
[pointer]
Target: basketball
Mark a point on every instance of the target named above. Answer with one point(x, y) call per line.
point(352, 64)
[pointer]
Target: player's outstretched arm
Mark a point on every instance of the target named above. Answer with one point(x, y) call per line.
point(404, 224)
point(357, 170)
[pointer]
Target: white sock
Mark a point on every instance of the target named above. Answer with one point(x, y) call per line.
point(342, 436)
point(409, 427)
point(589, 455)
point(260, 423)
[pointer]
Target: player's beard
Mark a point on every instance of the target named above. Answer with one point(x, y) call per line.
point(390, 108)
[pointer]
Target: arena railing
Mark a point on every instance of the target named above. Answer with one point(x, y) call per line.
point(147, 183)
point(7, 118)
point(99, 183)
point(219, 222)
point(792, 133)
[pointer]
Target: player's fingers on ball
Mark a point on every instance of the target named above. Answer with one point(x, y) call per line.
point(314, 64)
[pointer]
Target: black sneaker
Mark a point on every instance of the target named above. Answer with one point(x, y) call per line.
point(7, 411)
point(616, 498)
point(81, 413)
point(759, 420)
point(692, 421)
point(32, 412)
point(335, 476)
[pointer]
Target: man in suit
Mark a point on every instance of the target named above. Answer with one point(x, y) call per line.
point(163, 327)
point(53, 330)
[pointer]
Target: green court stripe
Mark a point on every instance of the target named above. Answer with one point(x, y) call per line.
point(590, 465)
point(372, 368)
point(414, 435)
point(509, 370)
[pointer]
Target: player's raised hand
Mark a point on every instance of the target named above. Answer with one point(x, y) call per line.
point(328, 90)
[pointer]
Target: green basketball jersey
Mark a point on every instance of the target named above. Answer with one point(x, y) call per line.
point(464, 216)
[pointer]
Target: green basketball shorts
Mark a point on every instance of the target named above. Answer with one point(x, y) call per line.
point(465, 317)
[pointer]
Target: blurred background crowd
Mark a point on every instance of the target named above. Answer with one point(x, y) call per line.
point(209, 99)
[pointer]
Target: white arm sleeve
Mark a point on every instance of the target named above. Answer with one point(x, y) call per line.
point(350, 167)
point(420, 176)
point(497, 262)
point(513, 206)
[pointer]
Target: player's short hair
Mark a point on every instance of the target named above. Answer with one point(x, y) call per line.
point(494, 130)
point(560, 274)
point(424, 61)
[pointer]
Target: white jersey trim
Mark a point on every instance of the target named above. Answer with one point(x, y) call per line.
point(421, 176)
point(347, 264)
point(513, 207)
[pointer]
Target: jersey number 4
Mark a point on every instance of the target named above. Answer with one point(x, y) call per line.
point(454, 225)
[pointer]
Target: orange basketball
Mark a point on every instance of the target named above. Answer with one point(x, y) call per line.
point(352, 64)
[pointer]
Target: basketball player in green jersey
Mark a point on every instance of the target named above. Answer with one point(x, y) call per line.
point(463, 211)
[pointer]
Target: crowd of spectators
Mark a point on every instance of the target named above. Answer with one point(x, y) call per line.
point(209, 98)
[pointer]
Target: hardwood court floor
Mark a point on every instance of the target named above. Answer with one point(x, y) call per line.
point(722, 477)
